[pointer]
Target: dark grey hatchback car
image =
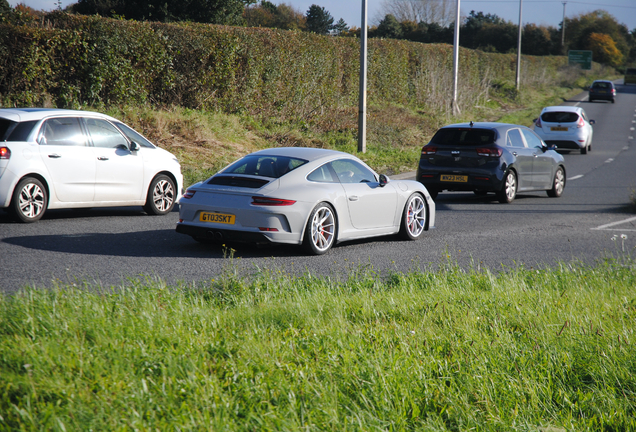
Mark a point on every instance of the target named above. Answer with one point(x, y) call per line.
point(490, 157)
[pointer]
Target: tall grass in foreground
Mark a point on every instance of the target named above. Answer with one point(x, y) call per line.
point(440, 350)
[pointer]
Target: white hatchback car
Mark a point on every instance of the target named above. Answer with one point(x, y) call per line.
point(566, 127)
point(53, 159)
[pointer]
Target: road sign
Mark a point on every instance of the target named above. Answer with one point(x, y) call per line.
point(582, 58)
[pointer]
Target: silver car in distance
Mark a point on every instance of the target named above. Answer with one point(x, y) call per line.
point(303, 196)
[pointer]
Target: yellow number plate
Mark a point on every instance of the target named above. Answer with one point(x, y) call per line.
point(217, 218)
point(559, 129)
point(454, 178)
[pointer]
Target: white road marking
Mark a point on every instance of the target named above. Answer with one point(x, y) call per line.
point(576, 177)
point(610, 160)
point(606, 226)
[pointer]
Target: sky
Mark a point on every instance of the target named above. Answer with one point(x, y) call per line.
point(539, 12)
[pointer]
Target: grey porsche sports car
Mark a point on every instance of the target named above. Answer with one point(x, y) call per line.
point(314, 197)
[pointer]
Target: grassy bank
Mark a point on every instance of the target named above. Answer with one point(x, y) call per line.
point(439, 350)
point(206, 141)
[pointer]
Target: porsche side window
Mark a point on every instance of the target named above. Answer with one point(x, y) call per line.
point(105, 134)
point(322, 175)
point(62, 132)
point(349, 171)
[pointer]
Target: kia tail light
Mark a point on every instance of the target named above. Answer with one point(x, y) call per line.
point(429, 150)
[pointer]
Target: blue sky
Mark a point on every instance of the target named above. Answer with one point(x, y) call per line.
point(540, 12)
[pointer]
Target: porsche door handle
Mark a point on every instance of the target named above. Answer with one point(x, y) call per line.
point(102, 158)
point(55, 156)
point(353, 198)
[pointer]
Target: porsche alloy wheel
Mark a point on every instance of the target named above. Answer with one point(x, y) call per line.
point(413, 218)
point(321, 231)
point(161, 196)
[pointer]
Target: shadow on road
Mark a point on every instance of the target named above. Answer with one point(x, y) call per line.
point(147, 244)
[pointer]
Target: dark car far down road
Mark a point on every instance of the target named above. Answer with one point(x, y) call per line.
point(602, 90)
point(490, 157)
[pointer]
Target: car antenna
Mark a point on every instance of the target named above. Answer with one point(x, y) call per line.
point(471, 123)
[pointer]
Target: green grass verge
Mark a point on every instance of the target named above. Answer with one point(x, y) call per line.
point(439, 350)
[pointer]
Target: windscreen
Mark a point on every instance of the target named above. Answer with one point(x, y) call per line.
point(464, 136)
point(264, 166)
point(559, 117)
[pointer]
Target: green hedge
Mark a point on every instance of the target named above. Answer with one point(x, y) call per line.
point(74, 61)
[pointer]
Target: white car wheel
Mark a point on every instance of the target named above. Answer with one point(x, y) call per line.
point(413, 218)
point(29, 200)
point(161, 196)
point(320, 233)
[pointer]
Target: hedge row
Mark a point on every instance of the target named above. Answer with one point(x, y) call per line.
point(73, 61)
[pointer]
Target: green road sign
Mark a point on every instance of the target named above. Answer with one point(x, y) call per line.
point(580, 57)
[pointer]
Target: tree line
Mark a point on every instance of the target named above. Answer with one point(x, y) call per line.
point(423, 21)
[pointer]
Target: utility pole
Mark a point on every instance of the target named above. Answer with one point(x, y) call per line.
point(563, 27)
point(454, 105)
point(362, 111)
point(519, 47)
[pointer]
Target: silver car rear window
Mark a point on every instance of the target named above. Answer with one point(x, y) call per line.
point(264, 166)
point(559, 117)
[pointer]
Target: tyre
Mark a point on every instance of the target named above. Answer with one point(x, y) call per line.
point(558, 184)
point(508, 190)
point(414, 218)
point(29, 201)
point(584, 150)
point(320, 233)
point(612, 100)
point(161, 196)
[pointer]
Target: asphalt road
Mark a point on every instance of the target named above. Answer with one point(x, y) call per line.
point(112, 247)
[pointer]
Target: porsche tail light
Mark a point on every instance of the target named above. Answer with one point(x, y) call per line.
point(489, 151)
point(5, 153)
point(265, 201)
point(429, 150)
point(189, 194)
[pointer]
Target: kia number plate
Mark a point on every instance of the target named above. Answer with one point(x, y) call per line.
point(217, 218)
point(559, 129)
point(454, 178)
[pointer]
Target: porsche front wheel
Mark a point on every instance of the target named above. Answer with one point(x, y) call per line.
point(413, 218)
point(320, 233)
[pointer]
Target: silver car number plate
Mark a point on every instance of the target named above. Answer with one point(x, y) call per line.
point(217, 218)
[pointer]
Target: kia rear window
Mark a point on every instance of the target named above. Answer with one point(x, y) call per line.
point(601, 85)
point(464, 136)
point(14, 131)
point(559, 117)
